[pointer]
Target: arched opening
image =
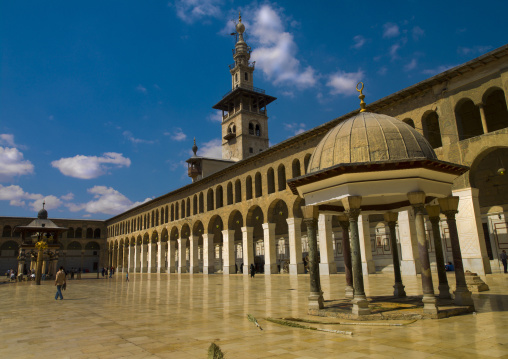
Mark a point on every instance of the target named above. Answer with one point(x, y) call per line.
point(409, 122)
point(486, 176)
point(97, 233)
point(183, 208)
point(209, 200)
point(172, 212)
point(201, 203)
point(215, 227)
point(258, 185)
point(167, 215)
point(258, 130)
point(162, 215)
point(70, 232)
point(238, 191)
point(306, 161)
point(496, 113)
point(469, 123)
point(255, 219)
point(9, 252)
point(219, 197)
point(295, 166)
point(78, 233)
point(278, 213)
point(74, 246)
point(281, 177)
point(195, 205)
point(251, 128)
point(229, 196)
point(188, 207)
point(248, 187)
point(270, 179)
point(177, 211)
point(431, 130)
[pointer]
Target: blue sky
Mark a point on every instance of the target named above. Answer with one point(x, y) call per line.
point(100, 100)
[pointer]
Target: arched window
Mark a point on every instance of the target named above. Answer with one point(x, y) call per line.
point(177, 211)
point(246, 76)
point(468, 118)
point(238, 191)
point(219, 197)
point(258, 130)
point(270, 180)
point(209, 200)
point(78, 233)
point(97, 233)
point(229, 196)
point(201, 203)
point(6, 231)
point(296, 172)
point(431, 131)
point(409, 122)
point(188, 207)
point(162, 215)
point(195, 205)
point(89, 233)
point(306, 161)
point(496, 113)
point(281, 177)
point(251, 128)
point(183, 208)
point(167, 215)
point(248, 187)
point(172, 212)
point(70, 232)
point(258, 184)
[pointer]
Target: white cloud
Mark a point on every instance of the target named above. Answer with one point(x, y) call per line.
point(473, 50)
point(295, 128)
point(7, 140)
point(176, 135)
point(215, 116)
point(411, 66)
point(51, 202)
point(417, 33)
point(129, 136)
point(88, 167)
point(359, 41)
point(68, 197)
point(393, 51)
point(106, 200)
point(211, 149)
point(344, 82)
point(12, 164)
point(141, 88)
point(437, 70)
point(16, 195)
point(193, 10)
point(390, 30)
point(276, 55)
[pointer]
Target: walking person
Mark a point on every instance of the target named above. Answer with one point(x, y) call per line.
point(127, 277)
point(503, 259)
point(59, 282)
point(252, 270)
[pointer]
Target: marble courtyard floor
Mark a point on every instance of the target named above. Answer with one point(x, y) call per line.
point(178, 316)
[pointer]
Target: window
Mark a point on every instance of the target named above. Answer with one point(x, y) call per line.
point(251, 150)
point(246, 76)
point(251, 129)
point(258, 130)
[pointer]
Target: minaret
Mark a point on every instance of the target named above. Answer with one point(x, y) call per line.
point(244, 115)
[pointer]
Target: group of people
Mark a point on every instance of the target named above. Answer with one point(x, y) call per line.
point(106, 270)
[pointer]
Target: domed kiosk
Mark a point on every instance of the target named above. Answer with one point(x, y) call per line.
point(373, 163)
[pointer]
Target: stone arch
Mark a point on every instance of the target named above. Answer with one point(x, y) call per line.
point(78, 233)
point(185, 232)
point(469, 122)
point(162, 215)
point(183, 208)
point(306, 161)
point(201, 203)
point(157, 217)
point(172, 212)
point(281, 177)
point(258, 185)
point(270, 181)
point(155, 237)
point(255, 219)
point(89, 233)
point(9, 246)
point(431, 130)
point(195, 205)
point(238, 191)
point(295, 166)
point(496, 112)
point(166, 218)
point(146, 238)
point(139, 240)
point(409, 122)
point(235, 223)
point(174, 233)
point(278, 213)
point(248, 187)
point(198, 228)
point(209, 200)
point(97, 233)
point(219, 197)
point(7, 231)
point(164, 235)
point(229, 193)
point(70, 232)
point(75, 245)
point(215, 227)
point(177, 211)
point(188, 207)
point(93, 245)
point(297, 212)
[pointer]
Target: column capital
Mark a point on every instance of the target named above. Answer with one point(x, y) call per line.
point(247, 229)
point(268, 225)
point(353, 214)
point(310, 212)
point(293, 221)
point(391, 218)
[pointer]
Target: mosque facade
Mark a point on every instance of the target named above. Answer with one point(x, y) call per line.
point(239, 210)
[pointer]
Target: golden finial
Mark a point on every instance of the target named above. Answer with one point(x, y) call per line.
point(361, 97)
point(239, 16)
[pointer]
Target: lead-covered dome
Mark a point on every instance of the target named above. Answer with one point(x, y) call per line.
point(369, 137)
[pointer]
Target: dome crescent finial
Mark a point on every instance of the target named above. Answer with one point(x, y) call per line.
point(361, 97)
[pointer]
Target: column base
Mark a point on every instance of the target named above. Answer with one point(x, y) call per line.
point(246, 269)
point(463, 297)
point(194, 270)
point(350, 292)
point(131, 270)
point(229, 270)
point(444, 291)
point(429, 304)
point(152, 270)
point(368, 267)
point(327, 268)
point(172, 269)
point(398, 290)
point(316, 300)
point(182, 270)
point(271, 269)
point(208, 270)
point(360, 306)
point(477, 265)
point(138, 270)
point(295, 269)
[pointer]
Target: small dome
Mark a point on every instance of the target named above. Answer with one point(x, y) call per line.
point(240, 28)
point(369, 137)
point(43, 214)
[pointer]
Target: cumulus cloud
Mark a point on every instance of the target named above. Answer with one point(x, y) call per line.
point(68, 197)
point(176, 135)
point(106, 200)
point(7, 140)
point(295, 128)
point(390, 30)
point(88, 167)
point(193, 10)
point(276, 53)
point(16, 195)
point(344, 83)
point(215, 116)
point(12, 164)
point(129, 136)
point(359, 41)
point(51, 202)
point(211, 149)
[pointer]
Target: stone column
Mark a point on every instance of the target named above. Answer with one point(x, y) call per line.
point(208, 254)
point(144, 258)
point(182, 258)
point(417, 199)
point(171, 256)
point(352, 210)
point(137, 255)
point(391, 220)
point(295, 246)
point(346, 253)
point(444, 288)
point(132, 259)
point(248, 248)
point(161, 257)
point(114, 256)
point(152, 266)
point(470, 231)
point(327, 264)
point(368, 265)
point(125, 264)
point(410, 263)
point(194, 261)
point(482, 116)
point(310, 214)
point(270, 253)
point(81, 263)
point(228, 251)
point(449, 207)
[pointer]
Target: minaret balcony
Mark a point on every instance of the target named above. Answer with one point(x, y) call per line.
point(230, 136)
point(246, 87)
